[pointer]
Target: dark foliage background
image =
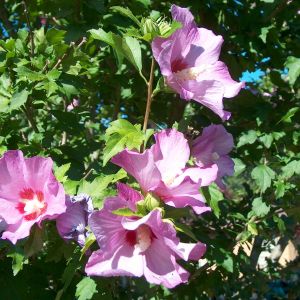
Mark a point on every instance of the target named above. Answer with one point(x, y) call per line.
point(261, 207)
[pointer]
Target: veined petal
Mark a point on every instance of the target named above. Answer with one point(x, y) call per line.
point(119, 262)
point(141, 166)
point(161, 266)
point(171, 153)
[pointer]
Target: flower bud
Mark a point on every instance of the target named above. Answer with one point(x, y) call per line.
point(150, 27)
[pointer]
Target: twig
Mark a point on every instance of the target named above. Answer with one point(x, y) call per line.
point(68, 51)
point(149, 95)
point(29, 28)
point(88, 173)
point(31, 120)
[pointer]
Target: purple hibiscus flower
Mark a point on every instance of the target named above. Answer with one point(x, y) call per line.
point(189, 61)
point(138, 246)
point(71, 225)
point(162, 170)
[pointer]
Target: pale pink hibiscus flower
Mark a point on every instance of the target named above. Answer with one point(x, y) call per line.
point(162, 170)
point(189, 61)
point(29, 193)
point(212, 147)
point(138, 246)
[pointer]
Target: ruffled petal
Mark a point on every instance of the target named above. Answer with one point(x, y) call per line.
point(17, 231)
point(161, 266)
point(120, 262)
point(141, 166)
point(171, 153)
point(182, 15)
point(107, 229)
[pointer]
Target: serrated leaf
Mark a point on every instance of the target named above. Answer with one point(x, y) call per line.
point(120, 135)
point(263, 176)
point(260, 208)
point(247, 138)
point(290, 169)
point(60, 172)
point(85, 289)
point(18, 99)
point(18, 260)
point(239, 166)
point(55, 36)
point(293, 64)
point(267, 140)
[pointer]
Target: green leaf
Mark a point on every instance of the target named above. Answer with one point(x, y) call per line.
point(18, 260)
point(85, 289)
point(119, 135)
point(252, 228)
point(96, 188)
point(227, 263)
point(127, 13)
point(293, 64)
point(87, 244)
point(110, 38)
point(247, 138)
point(18, 99)
point(60, 172)
point(125, 211)
point(132, 51)
point(287, 117)
point(263, 176)
point(264, 33)
point(267, 140)
point(239, 166)
point(215, 197)
point(260, 208)
point(291, 168)
point(55, 36)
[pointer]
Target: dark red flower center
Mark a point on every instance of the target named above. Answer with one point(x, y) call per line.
point(31, 204)
point(140, 238)
point(178, 65)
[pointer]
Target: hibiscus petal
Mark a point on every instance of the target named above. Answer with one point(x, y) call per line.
point(120, 262)
point(171, 153)
point(107, 229)
point(220, 73)
point(211, 45)
point(9, 212)
point(188, 251)
point(17, 231)
point(183, 195)
point(161, 266)
point(182, 15)
point(12, 167)
point(141, 166)
point(205, 176)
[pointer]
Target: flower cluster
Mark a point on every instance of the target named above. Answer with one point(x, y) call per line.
point(134, 234)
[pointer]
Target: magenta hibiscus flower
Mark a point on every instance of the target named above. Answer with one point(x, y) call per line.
point(212, 147)
point(29, 193)
point(162, 170)
point(188, 60)
point(133, 246)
